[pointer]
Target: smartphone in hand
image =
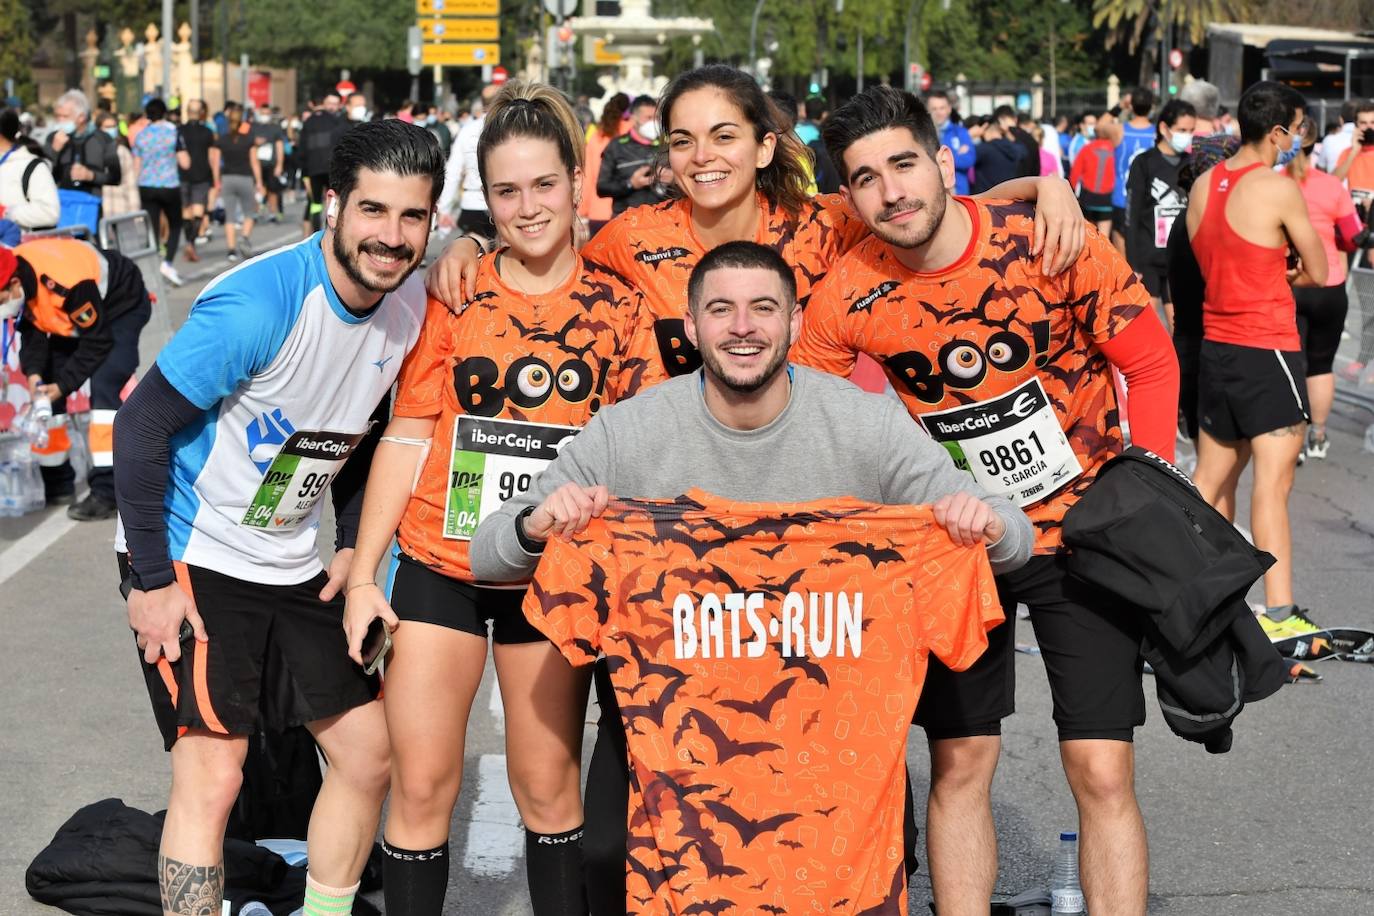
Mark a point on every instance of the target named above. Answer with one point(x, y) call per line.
point(376, 644)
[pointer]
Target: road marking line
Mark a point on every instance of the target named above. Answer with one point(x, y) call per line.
point(495, 839)
point(34, 543)
point(498, 709)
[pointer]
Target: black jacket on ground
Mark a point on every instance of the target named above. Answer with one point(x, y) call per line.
point(1144, 533)
point(103, 860)
point(623, 157)
point(95, 150)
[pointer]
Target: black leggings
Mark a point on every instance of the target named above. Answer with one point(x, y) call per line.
point(164, 202)
point(1321, 319)
point(606, 808)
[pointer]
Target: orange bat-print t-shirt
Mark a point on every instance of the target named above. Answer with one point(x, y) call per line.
point(767, 659)
point(509, 380)
point(655, 248)
point(1000, 363)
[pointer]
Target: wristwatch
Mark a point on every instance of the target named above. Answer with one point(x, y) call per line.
point(527, 543)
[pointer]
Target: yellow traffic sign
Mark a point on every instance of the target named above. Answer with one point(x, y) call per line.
point(457, 7)
point(594, 52)
point(460, 29)
point(460, 55)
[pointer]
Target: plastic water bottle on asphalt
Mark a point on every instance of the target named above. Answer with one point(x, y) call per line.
point(1066, 895)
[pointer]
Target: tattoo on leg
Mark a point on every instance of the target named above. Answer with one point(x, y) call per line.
point(1297, 429)
point(190, 890)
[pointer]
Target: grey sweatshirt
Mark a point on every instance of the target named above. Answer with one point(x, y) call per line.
point(832, 439)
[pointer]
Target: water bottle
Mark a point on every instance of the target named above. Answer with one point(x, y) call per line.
point(1066, 895)
point(40, 412)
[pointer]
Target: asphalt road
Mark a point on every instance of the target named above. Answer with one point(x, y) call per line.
point(1279, 825)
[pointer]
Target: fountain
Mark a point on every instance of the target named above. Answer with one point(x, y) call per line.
point(637, 37)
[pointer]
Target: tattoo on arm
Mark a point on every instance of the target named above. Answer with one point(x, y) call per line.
point(190, 890)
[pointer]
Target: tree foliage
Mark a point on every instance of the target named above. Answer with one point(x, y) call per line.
point(1132, 21)
point(16, 48)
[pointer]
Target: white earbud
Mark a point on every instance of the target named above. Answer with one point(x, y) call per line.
point(333, 210)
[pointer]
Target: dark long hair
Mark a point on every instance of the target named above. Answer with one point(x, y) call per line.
point(784, 180)
point(9, 129)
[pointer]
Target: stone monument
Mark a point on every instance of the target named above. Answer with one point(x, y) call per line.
point(638, 37)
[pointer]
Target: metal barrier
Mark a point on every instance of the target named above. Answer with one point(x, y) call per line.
point(135, 236)
point(73, 232)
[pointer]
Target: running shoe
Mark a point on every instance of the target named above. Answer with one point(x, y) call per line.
point(1351, 371)
point(169, 273)
point(189, 251)
point(245, 247)
point(1295, 624)
point(233, 257)
point(1317, 446)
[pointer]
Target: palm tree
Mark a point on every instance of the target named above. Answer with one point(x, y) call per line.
point(1130, 20)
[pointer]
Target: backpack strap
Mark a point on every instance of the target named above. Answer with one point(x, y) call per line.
point(28, 173)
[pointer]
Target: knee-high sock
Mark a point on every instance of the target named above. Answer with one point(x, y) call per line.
point(414, 881)
point(553, 864)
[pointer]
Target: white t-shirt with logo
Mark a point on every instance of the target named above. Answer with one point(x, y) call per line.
point(288, 380)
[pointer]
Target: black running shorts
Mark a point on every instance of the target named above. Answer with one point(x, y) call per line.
point(425, 595)
point(1321, 318)
point(961, 704)
point(1090, 644)
point(276, 656)
point(1244, 392)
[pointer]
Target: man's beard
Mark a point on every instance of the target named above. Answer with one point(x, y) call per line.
point(348, 260)
point(748, 385)
point(935, 211)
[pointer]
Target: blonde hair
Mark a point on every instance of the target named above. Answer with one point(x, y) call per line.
point(525, 108)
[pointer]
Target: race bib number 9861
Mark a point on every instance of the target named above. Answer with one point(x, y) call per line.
point(1012, 444)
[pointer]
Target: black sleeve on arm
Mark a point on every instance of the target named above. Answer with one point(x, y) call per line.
point(33, 350)
point(346, 492)
point(154, 412)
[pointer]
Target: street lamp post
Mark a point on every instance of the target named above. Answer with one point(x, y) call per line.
point(753, 40)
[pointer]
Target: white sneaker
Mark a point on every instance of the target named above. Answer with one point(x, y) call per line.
point(169, 273)
point(1317, 447)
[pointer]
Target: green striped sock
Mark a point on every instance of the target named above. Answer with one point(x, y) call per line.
point(323, 900)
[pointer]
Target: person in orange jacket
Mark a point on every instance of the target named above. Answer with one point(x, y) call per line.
point(81, 310)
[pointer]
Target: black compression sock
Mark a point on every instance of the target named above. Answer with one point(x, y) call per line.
point(414, 881)
point(553, 865)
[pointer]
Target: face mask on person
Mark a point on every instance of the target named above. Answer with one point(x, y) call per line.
point(1180, 140)
point(648, 130)
point(10, 308)
point(1090, 131)
point(111, 132)
point(1288, 155)
point(358, 112)
point(264, 119)
point(65, 127)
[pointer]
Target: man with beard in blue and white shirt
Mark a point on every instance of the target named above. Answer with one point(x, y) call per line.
point(226, 450)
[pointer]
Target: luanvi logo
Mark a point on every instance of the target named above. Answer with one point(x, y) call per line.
point(865, 303)
point(663, 254)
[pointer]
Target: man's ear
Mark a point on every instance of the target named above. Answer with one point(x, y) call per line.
point(689, 326)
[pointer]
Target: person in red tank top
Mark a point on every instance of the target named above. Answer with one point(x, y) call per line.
point(1252, 400)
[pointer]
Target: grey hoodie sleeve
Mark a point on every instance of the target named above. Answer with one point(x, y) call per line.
point(917, 470)
point(496, 553)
